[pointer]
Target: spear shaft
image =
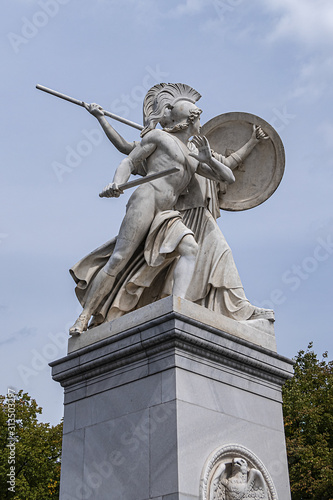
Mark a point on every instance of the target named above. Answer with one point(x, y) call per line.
point(126, 185)
point(82, 103)
point(144, 180)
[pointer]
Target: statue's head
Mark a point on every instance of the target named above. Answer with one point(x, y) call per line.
point(182, 115)
point(239, 465)
point(172, 105)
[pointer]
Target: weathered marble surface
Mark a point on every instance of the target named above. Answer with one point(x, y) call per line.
point(233, 472)
point(146, 407)
point(259, 332)
point(168, 241)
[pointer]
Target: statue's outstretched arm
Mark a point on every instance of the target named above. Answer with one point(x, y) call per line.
point(117, 140)
point(208, 166)
point(233, 160)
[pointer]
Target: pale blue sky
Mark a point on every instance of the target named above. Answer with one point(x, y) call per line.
point(272, 58)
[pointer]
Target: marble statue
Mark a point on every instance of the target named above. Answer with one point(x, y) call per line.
point(169, 241)
point(238, 482)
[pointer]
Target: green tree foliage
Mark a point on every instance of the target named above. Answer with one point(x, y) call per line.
point(308, 417)
point(37, 450)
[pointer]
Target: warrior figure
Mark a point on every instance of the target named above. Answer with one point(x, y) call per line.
point(148, 268)
point(150, 214)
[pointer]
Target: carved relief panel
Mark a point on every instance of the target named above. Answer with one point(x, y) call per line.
point(233, 472)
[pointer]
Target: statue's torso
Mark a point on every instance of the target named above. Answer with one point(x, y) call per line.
point(170, 152)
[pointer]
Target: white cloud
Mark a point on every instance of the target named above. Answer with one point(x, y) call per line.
point(325, 129)
point(19, 335)
point(189, 7)
point(314, 79)
point(309, 21)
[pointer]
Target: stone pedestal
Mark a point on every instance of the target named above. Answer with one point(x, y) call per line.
point(151, 396)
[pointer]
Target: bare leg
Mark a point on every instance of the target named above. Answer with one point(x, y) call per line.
point(101, 286)
point(188, 249)
point(139, 216)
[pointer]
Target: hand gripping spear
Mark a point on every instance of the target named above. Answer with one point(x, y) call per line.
point(129, 184)
point(82, 103)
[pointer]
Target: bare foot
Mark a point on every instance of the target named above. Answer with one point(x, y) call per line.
point(260, 313)
point(80, 325)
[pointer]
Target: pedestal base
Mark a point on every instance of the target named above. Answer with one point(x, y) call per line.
point(147, 404)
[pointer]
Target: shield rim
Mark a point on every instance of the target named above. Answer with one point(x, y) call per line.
point(253, 202)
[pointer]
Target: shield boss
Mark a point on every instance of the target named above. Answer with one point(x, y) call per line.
point(261, 172)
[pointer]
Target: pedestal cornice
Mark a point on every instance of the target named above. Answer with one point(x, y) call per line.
point(166, 328)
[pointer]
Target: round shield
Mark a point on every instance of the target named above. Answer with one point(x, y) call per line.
point(260, 173)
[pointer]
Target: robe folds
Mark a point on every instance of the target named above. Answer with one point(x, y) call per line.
point(148, 275)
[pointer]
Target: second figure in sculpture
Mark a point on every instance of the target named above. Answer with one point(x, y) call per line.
point(168, 221)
